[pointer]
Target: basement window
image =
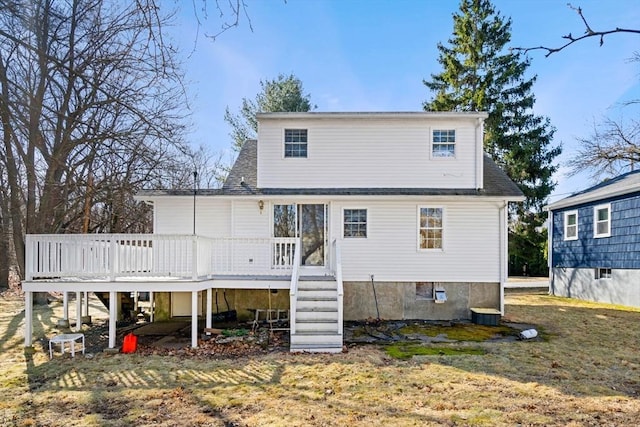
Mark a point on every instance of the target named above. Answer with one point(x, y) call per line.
point(602, 273)
point(424, 291)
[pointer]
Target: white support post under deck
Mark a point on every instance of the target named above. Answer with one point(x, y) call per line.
point(151, 310)
point(78, 311)
point(86, 304)
point(194, 319)
point(113, 314)
point(28, 318)
point(209, 307)
point(65, 307)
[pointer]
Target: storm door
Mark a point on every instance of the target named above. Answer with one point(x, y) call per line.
point(306, 221)
point(313, 234)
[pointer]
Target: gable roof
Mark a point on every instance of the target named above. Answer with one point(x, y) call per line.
point(243, 178)
point(618, 186)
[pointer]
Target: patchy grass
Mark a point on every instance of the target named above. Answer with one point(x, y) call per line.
point(460, 331)
point(588, 373)
point(406, 351)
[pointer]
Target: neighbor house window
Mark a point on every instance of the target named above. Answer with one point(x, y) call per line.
point(430, 228)
point(295, 143)
point(602, 221)
point(355, 222)
point(603, 273)
point(571, 225)
point(443, 143)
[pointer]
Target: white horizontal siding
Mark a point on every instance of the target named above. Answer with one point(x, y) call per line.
point(366, 153)
point(174, 215)
point(249, 221)
point(390, 251)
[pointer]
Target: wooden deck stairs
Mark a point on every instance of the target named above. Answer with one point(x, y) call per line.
point(316, 318)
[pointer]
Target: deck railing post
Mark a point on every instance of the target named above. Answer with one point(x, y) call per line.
point(29, 254)
point(113, 258)
point(194, 258)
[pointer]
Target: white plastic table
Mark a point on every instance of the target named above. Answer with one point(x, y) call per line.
point(66, 338)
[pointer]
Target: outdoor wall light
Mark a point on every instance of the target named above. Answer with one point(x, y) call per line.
point(261, 205)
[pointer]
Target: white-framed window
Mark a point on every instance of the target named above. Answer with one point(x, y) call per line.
point(602, 220)
point(443, 143)
point(571, 225)
point(602, 273)
point(430, 228)
point(295, 143)
point(354, 223)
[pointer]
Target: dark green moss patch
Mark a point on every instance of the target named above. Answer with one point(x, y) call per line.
point(405, 351)
point(459, 331)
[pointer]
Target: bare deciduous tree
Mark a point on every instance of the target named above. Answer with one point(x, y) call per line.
point(571, 39)
point(612, 148)
point(91, 103)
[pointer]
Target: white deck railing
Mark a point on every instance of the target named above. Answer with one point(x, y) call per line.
point(293, 290)
point(113, 256)
point(337, 266)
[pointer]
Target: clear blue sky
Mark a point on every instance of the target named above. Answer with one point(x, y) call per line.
point(372, 55)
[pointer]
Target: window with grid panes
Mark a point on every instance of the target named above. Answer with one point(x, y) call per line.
point(443, 143)
point(295, 142)
point(355, 223)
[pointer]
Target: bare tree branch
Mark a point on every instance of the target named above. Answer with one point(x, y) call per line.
point(613, 148)
point(571, 39)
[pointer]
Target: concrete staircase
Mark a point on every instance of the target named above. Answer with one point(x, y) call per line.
point(316, 317)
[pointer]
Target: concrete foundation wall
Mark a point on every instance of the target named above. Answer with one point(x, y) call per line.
point(398, 300)
point(239, 300)
point(622, 288)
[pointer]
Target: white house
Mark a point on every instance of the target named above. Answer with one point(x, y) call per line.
point(333, 216)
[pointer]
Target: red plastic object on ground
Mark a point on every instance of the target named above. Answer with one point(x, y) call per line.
point(130, 343)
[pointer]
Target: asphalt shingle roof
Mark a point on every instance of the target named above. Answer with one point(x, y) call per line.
point(623, 184)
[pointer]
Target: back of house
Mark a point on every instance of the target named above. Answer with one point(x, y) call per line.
point(406, 206)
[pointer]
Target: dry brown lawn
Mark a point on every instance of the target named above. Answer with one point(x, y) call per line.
point(587, 373)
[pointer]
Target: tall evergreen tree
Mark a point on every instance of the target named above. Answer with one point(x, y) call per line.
point(283, 94)
point(480, 73)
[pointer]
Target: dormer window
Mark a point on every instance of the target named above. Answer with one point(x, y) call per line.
point(443, 143)
point(295, 143)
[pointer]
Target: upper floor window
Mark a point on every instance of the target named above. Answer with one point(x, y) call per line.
point(602, 221)
point(355, 222)
point(295, 142)
point(571, 225)
point(431, 228)
point(443, 143)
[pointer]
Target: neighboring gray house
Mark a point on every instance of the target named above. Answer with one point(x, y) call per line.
point(594, 243)
point(333, 216)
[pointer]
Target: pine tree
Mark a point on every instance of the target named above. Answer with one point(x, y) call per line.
point(480, 73)
point(283, 94)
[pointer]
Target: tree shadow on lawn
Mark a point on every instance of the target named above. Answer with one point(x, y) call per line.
point(592, 351)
